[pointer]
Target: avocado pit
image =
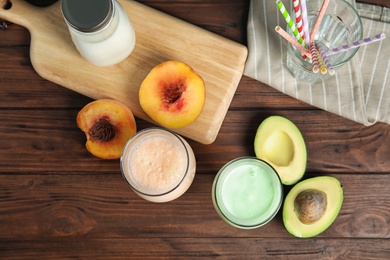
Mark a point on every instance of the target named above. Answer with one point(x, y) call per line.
point(310, 205)
point(102, 131)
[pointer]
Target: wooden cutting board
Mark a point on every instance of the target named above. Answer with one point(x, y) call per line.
point(159, 37)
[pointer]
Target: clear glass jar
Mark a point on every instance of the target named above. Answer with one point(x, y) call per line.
point(341, 25)
point(100, 30)
point(158, 164)
point(247, 193)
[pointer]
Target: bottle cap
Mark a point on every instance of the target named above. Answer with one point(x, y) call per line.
point(87, 15)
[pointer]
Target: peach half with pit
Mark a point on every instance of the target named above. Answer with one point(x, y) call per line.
point(172, 94)
point(108, 124)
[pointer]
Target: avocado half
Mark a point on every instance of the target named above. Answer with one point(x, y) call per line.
point(279, 142)
point(320, 214)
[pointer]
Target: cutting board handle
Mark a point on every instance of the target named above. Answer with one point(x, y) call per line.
point(22, 13)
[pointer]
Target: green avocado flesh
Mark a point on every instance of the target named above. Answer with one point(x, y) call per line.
point(280, 143)
point(312, 205)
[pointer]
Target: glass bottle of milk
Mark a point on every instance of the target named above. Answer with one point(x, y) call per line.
point(100, 30)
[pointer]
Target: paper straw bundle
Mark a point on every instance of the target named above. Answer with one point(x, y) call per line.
point(303, 39)
point(289, 21)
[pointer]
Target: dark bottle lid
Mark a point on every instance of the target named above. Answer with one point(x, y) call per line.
point(87, 15)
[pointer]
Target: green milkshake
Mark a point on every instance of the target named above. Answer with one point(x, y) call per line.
point(247, 193)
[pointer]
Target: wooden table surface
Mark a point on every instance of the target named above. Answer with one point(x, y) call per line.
point(59, 202)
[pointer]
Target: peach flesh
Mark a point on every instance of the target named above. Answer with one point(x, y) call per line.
point(108, 124)
point(172, 94)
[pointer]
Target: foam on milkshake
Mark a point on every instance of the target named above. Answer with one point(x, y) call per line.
point(158, 165)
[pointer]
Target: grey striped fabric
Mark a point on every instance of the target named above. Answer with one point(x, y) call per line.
point(359, 91)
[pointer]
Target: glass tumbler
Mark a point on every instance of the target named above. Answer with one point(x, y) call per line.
point(247, 193)
point(158, 164)
point(340, 25)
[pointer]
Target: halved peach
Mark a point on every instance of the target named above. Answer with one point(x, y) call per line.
point(107, 124)
point(172, 94)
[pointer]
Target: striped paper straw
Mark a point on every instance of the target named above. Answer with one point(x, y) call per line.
point(356, 44)
point(322, 64)
point(293, 41)
point(298, 18)
point(328, 64)
point(314, 58)
point(289, 21)
point(319, 20)
point(305, 22)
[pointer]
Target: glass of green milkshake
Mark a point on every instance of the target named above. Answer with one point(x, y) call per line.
point(247, 193)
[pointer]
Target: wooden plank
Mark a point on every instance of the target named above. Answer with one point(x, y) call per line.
point(195, 248)
point(226, 18)
point(334, 144)
point(253, 94)
point(14, 35)
point(219, 61)
point(49, 140)
point(22, 87)
point(103, 205)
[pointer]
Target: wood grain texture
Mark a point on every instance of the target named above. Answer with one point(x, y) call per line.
point(59, 202)
point(73, 205)
point(225, 18)
point(50, 141)
point(194, 248)
point(219, 61)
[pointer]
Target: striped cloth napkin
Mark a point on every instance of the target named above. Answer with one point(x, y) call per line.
point(359, 91)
